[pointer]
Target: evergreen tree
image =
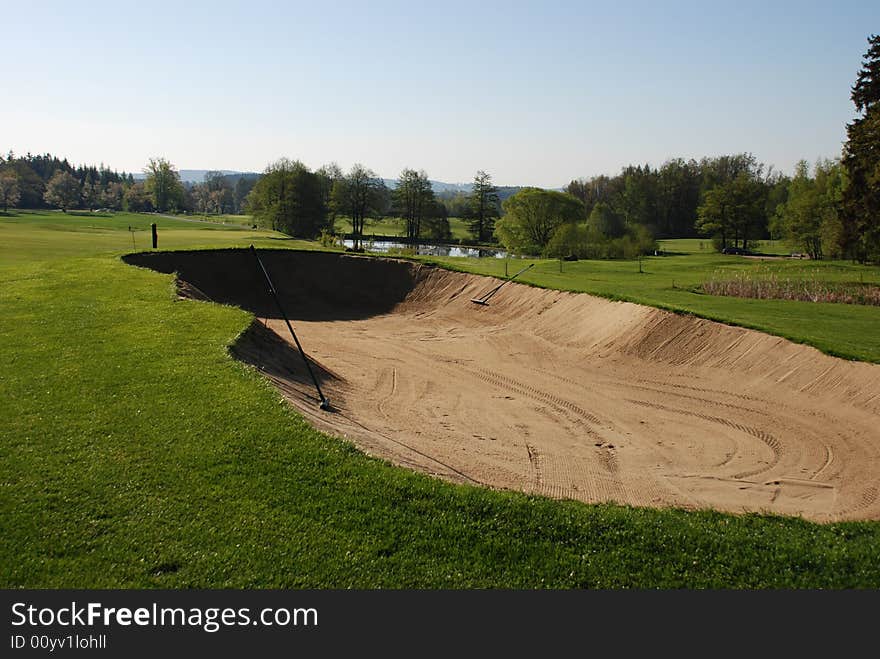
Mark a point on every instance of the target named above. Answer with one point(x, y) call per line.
point(861, 160)
point(483, 207)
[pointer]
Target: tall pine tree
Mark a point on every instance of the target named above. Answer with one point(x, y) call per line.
point(861, 159)
point(483, 207)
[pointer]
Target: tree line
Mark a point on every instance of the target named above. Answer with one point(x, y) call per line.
point(829, 210)
point(291, 198)
point(46, 181)
point(24, 181)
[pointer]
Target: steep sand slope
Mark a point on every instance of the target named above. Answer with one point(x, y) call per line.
point(556, 393)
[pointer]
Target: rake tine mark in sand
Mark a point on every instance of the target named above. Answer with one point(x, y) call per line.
point(581, 420)
point(702, 390)
point(380, 405)
point(507, 382)
point(707, 401)
point(829, 458)
point(538, 486)
point(869, 497)
point(827, 451)
point(765, 437)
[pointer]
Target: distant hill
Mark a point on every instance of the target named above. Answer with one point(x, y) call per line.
point(198, 175)
point(437, 186)
point(441, 188)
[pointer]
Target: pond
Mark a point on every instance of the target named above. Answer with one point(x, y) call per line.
point(385, 246)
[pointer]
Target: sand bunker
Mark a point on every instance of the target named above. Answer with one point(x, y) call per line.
point(555, 393)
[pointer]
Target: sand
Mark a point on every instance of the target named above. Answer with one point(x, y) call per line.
point(553, 393)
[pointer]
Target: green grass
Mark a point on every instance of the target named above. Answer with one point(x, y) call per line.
point(671, 282)
point(137, 453)
point(704, 246)
point(27, 236)
point(220, 218)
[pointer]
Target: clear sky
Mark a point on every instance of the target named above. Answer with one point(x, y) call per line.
point(535, 93)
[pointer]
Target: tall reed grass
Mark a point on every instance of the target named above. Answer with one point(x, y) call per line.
point(770, 286)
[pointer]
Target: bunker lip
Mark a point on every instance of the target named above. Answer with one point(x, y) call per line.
point(313, 286)
point(554, 393)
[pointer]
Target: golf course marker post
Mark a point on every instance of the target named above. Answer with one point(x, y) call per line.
point(325, 404)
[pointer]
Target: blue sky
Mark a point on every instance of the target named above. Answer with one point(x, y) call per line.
point(535, 93)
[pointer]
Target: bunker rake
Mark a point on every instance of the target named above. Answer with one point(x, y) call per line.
point(484, 299)
point(325, 404)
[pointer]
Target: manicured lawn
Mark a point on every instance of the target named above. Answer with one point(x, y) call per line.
point(27, 236)
point(135, 452)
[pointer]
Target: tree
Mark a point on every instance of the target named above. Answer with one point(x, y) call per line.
point(594, 190)
point(242, 189)
point(136, 199)
point(604, 221)
point(202, 197)
point(31, 186)
point(91, 194)
point(288, 198)
point(328, 175)
point(732, 212)
point(570, 240)
point(808, 208)
point(532, 216)
point(62, 191)
point(359, 194)
point(413, 200)
point(483, 207)
point(220, 192)
point(163, 184)
point(9, 192)
point(678, 196)
point(638, 199)
point(861, 161)
point(436, 222)
point(112, 196)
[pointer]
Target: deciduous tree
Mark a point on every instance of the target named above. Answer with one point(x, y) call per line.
point(9, 192)
point(91, 194)
point(62, 191)
point(809, 219)
point(531, 217)
point(733, 212)
point(163, 184)
point(413, 200)
point(288, 198)
point(360, 194)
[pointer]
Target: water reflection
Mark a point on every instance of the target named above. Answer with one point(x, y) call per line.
point(385, 246)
